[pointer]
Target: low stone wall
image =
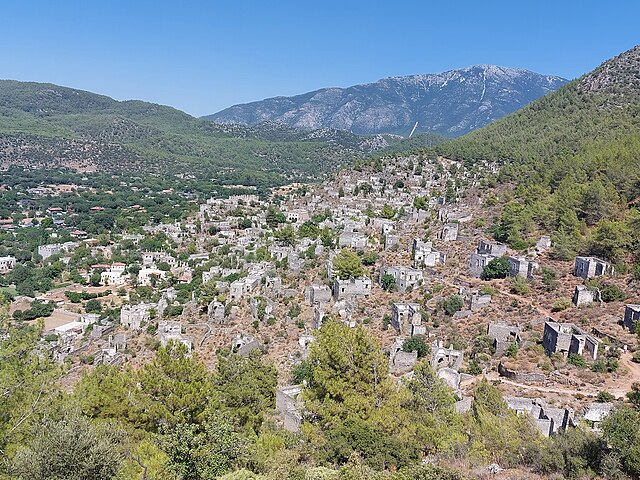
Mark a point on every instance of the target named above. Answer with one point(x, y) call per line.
point(521, 377)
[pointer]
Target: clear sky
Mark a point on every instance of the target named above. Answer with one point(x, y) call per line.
point(203, 56)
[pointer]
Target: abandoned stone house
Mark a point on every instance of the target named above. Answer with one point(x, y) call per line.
point(99, 330)
point(405, 277)
point(584, 295)
point(391, 240)
point(319, 294)
point(590, 267)
point(279, 253)
point(298, 215)
point(383, 225)
point(172, 331)
point(459, 216)
point(331, 272)
point(353, 287)
point(425, 256)
point(442, 357)
point(485, 252)
point(134, 238)
point(89, 318)
point(289, 406)
point(543, 244)
point(449, 232)
point(261, 307)
point(416, 216)
point(521, 266)
point(116, 344)
point(236, 290)
point(167, 298)
point(304, 342)
point(477, 262)
point(216, 312)
point(240, 288)
point(631, 317)
point(45, 251)
point(478, 302)
point(154, 258)
point(244, 344)
point(595, 413)
point(567, 338)
point(357, 240)
point(344, 309)
point(401, 362)
point(549, 420)
point(450, 376)
point(318, 318)
point(464, 405)
point(496, 249)
point(503, 335)
point(209, 275)
point(135, 316)
point(406, 319)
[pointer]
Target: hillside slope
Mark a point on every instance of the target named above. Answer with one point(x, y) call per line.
point(48, 126)
point(600, 106)
point(450, 103)
point(574, 159)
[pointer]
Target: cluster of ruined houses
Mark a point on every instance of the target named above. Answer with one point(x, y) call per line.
point(446, 361)
point(487, 251)
point(72, 338)
point(261, 291)
point(558, 338)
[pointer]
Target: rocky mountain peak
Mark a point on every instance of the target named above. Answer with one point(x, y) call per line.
point(617, 76)
point(449, 103)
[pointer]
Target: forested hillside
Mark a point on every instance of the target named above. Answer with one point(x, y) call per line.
point(602, 105)
point(575, 158)
point(44, 125)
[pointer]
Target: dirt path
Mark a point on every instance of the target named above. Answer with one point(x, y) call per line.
point(619, 387)
point(542, 388)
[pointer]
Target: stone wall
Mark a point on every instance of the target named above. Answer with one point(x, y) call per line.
point(521, 377)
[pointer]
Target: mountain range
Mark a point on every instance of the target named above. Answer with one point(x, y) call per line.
point(600, 108)
point(451, 103)
point(49, 126)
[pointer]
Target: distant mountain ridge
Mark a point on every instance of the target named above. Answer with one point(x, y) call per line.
point(450, 103)
point(600, 107)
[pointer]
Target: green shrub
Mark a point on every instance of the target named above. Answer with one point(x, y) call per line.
point(488, 290)
point(561, 304)
point(519, 285)
point(416, 343)
point(474, 368)
point(576, 360)
point(388, 282)
point(612, 293)
point(604, 397)
point(496, 268)
point(512, 350)
point(452, 304)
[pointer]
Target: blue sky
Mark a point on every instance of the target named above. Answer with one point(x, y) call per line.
point(203, 56)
